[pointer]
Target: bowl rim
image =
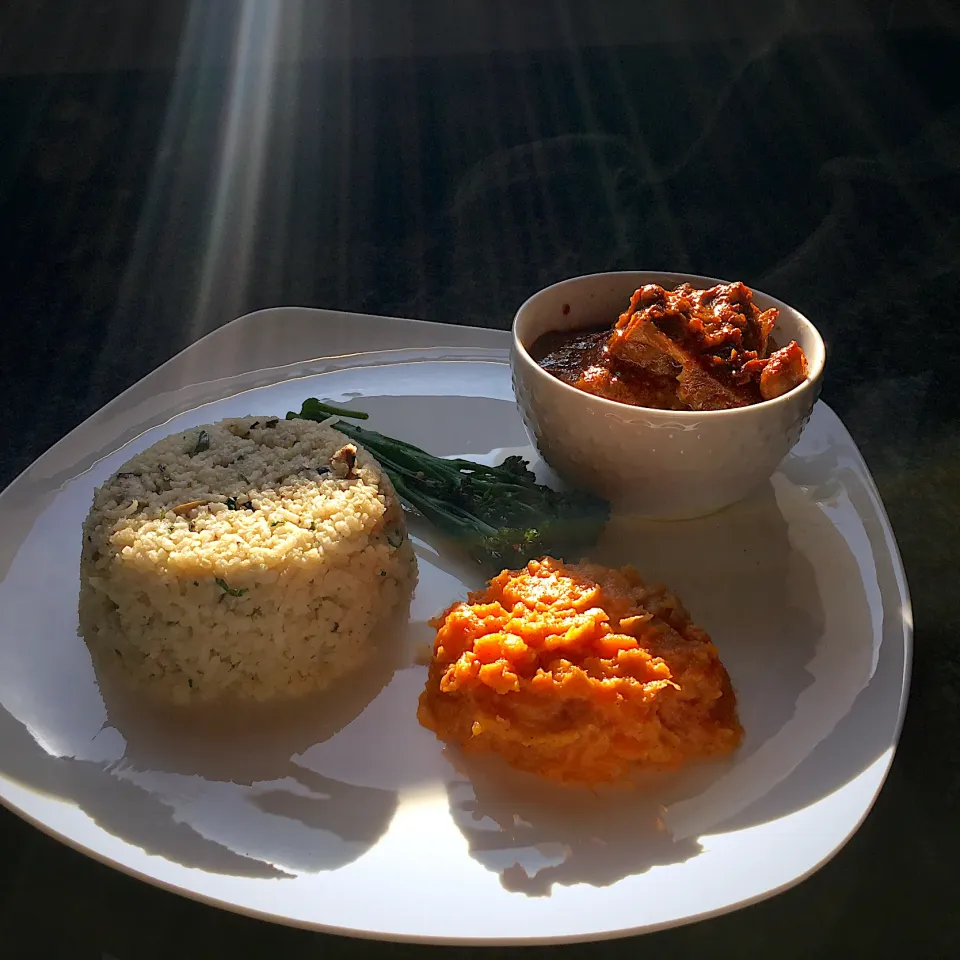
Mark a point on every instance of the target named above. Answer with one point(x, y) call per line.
point(814, 375)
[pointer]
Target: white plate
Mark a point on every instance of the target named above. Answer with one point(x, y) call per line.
point(352, 819)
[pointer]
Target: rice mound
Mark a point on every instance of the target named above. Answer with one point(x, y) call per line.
point(251, 559)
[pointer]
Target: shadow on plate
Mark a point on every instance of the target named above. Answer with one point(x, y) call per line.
point(818, 475)
point(124, 809)
point(757, 596)
point(234, 775)
point(866, 733)
point(793, 610)
point(536, 834)
point(493, 424)
point(444, 554)
point(220, 790)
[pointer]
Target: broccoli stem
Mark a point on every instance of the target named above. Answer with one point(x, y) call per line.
point(314, 409)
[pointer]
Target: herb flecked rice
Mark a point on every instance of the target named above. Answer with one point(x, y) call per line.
point(250, 559)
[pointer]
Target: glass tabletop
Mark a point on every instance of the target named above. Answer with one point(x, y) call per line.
point(167, 168)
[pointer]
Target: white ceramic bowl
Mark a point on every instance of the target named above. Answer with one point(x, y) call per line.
point(661, 464)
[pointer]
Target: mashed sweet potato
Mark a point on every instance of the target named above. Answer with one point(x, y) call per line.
point(579, 673)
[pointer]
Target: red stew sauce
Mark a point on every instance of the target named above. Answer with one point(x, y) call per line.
point(681, 349)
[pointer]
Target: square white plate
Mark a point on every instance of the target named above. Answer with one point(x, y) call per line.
point(352, 819)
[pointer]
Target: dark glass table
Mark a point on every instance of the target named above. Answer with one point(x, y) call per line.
point(157, 179)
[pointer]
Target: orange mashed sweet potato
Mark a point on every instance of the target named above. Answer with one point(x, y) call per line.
point(578, 673)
